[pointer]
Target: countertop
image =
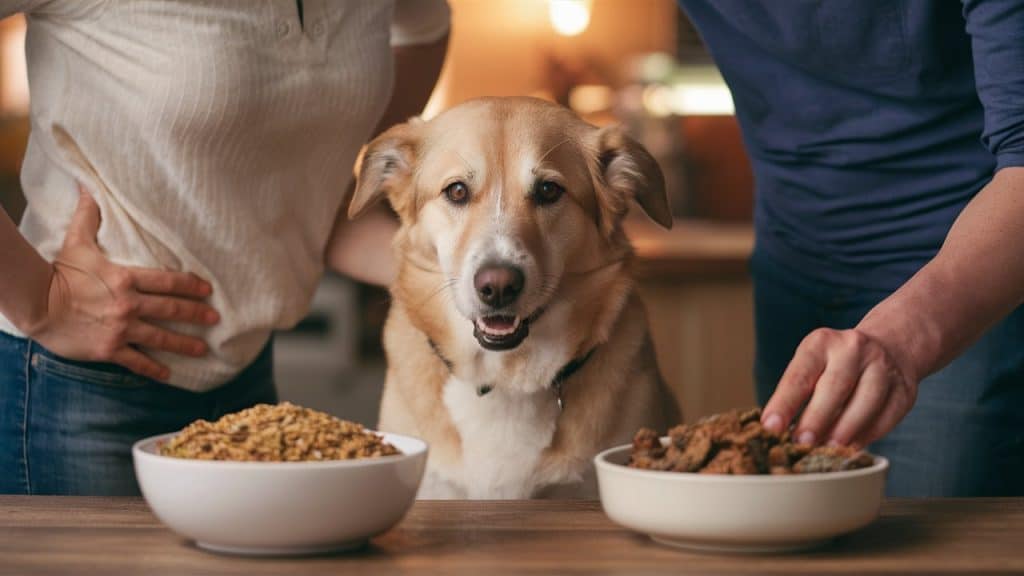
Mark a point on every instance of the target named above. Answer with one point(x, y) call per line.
point(692, 249)
point(109, 536)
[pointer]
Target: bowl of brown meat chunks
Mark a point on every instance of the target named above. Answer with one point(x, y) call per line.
point(724, 483)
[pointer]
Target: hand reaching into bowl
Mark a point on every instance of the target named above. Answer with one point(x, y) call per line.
point(854, 388)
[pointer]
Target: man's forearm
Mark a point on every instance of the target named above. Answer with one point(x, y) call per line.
point(976, 279)
point(24, 278)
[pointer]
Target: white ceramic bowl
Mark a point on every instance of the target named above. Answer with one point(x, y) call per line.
point(738, 513)
point(280, 507)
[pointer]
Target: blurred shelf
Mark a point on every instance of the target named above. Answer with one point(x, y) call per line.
point(692, 250)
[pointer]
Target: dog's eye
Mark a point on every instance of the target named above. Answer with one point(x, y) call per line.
point(547, 192)
point(456, 193)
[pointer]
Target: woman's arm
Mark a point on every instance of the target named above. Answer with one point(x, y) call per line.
point(84, 307)
point(361, 248)
point(24, 278)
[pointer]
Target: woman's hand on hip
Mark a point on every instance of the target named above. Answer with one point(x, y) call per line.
point(854, 389)
point(100, 311)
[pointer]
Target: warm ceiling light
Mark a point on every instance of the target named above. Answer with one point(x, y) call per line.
point(591, 98)
point(569, 17)
point(13, 80)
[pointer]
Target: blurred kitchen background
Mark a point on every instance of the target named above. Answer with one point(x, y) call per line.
point(636, 62)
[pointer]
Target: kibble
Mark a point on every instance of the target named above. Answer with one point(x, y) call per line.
point(277, 433)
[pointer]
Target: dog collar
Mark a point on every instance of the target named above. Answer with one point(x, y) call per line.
point(567, 371)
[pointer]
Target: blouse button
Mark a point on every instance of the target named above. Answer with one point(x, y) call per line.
point(282, 28)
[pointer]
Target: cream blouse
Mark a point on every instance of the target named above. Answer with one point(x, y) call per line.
point(218, 137)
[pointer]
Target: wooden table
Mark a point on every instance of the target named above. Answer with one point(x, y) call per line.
point(81, 536)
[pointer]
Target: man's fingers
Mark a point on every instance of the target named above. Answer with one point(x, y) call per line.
point(176, 309)
point(157, 338)
point(867, 402)
point(896, 406)
point(795, 386)
point(831, 392)
point(140, 363)
point(85, 222)
point(173, 283)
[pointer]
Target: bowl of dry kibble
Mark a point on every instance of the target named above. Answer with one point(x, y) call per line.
point(279, 479)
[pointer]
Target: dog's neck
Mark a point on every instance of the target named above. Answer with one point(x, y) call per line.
point(567, 371)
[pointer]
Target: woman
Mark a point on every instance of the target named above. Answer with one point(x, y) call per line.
point(216, 142)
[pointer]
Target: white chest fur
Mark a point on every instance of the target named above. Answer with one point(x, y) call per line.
point(503, 435)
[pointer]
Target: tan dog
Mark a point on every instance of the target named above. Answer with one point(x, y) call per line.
point(516, 344)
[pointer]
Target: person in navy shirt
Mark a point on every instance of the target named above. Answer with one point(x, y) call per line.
point(887, 141)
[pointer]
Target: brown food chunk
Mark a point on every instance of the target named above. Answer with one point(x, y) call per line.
point(736, 443)
point(731, 461)
point(646, 440)
point(787, 454)
point(832, 459)
point(692, 454)
point(680, 435)
point(647, 451)
point(751, 415)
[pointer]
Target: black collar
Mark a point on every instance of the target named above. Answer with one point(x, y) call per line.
point(567, 371)
point(437, 351)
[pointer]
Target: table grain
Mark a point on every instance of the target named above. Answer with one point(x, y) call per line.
point(109, 536)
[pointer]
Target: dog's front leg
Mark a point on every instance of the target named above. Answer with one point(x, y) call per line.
point(436, 487)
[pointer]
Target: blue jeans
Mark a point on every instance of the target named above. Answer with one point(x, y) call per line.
point(67, 427)
point(964, 435)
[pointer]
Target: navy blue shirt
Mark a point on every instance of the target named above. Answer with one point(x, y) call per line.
point(870, 123)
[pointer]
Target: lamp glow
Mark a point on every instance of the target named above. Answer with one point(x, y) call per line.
point(13, 80)
point(569, 17)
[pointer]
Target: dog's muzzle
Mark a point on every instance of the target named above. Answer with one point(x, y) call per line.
point(498, 286)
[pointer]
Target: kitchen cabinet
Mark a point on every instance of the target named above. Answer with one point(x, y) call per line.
point(695, 283)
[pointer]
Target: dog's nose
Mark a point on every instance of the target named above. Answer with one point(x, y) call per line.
point(498, 285)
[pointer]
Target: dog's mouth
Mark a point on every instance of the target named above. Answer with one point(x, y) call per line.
point(502, 331)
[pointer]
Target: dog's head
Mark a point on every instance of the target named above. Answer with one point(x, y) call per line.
point(505, 197)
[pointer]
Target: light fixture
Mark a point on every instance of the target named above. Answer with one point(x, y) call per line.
point(13, 80)
point(569, 17)
point(701, 100)
point(591, 98)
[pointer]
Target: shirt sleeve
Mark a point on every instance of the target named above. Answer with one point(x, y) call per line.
point(11, 7)
point(996, 28)
point(419, 21)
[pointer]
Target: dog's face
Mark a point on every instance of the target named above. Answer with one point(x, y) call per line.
point(505, 197)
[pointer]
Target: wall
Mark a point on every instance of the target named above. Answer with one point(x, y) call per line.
point(502, 47)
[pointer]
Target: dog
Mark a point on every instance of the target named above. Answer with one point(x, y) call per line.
point(516, 344)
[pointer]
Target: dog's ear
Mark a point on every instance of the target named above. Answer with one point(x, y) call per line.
point(387, 168)
point(628, 172)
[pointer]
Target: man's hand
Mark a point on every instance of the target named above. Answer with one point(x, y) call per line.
point(99, 311)
point(854, 388)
